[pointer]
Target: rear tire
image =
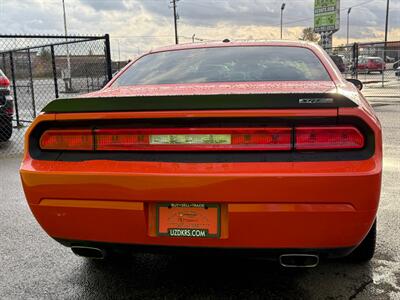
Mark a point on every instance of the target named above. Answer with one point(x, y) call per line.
point(5, 130)
point(365, 251)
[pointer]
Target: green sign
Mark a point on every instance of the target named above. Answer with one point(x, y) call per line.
point(326, 15)
point(324, 3)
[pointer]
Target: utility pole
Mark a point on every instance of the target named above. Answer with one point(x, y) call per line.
point(282, 8)
point(173, 2)
point(386, 22)
point(386, 36)
point(119, 56)
point(348, 18)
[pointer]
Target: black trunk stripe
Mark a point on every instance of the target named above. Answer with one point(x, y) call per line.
point(195, 102)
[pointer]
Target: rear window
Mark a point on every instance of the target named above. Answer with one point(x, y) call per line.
point(225, 64)
point(376, 60)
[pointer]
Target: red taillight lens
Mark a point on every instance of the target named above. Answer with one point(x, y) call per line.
point(320, 138)
point(4, 82)
point(204, 139)
point(120, 139)
point(67, 140)
point(194, 139)
point(268, 139)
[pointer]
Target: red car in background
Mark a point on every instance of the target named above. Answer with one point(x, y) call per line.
point(6, 108)
point(259, 147)
point(371, 64)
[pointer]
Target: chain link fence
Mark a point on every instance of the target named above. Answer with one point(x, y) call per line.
point(376, 65)
point(42, 68)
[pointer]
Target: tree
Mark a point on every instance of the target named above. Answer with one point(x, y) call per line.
point(308, 34)
point(45, 55)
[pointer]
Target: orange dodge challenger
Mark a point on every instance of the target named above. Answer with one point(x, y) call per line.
point(257, 147)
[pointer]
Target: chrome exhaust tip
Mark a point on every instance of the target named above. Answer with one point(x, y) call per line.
point(299, 260)
point(89, 252)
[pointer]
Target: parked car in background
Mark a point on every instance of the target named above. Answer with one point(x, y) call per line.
point(396, 65)
point(259, 147)
point(371, 64)
point(389, 59)
point(345, 59)
point(397, 72)
point(6, 108)
point(339, 62)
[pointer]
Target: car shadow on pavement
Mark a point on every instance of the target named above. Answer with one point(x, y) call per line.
point(164, 276)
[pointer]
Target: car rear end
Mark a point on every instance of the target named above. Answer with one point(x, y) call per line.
point(6, 108)
point(225, 166)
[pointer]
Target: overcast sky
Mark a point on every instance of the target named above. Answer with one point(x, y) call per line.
point(139, 26)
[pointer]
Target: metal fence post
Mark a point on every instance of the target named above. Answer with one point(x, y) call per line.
point(31, 83)
point(355, 59)
point(53, 63)
point(14, 87)
point(383, 68)
point(108, 56)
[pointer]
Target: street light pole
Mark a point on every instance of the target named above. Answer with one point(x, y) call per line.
point(282, 8)
point(68, 75)
point(348, 24)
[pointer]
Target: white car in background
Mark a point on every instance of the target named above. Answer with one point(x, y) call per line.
point(397, 72)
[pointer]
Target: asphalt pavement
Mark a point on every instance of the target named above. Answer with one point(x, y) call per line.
point(33, 266)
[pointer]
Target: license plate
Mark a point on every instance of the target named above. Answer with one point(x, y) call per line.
point(189, 220)
point(190, 139)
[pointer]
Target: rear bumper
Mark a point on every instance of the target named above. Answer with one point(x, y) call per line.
point(323, 205)
point(176, 250)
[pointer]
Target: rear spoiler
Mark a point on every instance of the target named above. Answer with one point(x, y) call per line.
point(199, 102)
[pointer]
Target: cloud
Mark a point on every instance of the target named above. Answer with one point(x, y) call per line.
point(141, 25)
point(105, 5)
point(239, 12)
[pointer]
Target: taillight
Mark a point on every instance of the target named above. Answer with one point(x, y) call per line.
point(194, 139)
point(320, 138)
point(4, 82)
point(204, 139)
point(69, 139)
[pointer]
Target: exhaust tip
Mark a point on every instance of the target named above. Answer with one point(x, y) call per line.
point(88, 252)
point(299, 260)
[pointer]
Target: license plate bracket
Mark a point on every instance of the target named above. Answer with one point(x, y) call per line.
point(188, 220)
